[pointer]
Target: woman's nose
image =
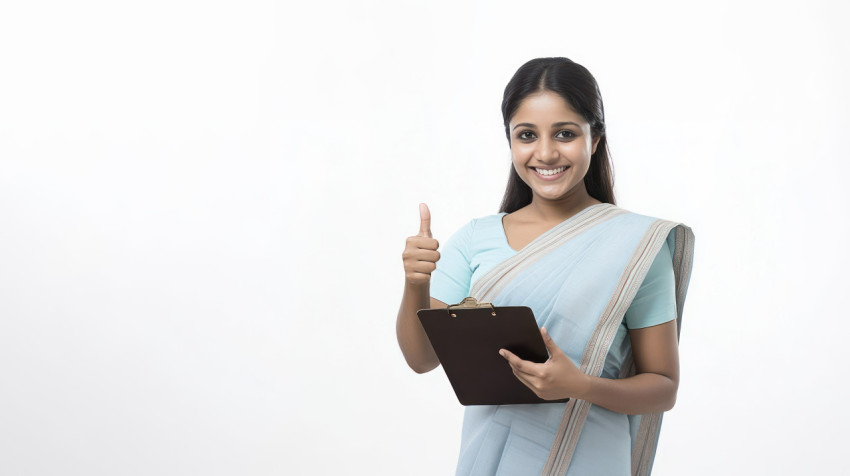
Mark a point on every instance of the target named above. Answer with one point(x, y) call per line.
point(546, 150)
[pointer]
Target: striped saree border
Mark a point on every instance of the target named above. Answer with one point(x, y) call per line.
point(593, 358)
point(495, 280)
point(683, 260)
point(646, 440)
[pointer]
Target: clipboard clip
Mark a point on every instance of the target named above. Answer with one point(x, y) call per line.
point(470, 303)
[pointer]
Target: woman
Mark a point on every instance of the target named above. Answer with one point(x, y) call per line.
point(606, 286)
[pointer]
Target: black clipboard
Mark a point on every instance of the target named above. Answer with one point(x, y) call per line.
point(467, 337)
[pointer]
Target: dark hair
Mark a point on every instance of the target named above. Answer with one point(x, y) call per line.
point(577, 86)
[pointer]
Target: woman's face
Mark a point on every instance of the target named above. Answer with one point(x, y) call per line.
point(547, 136)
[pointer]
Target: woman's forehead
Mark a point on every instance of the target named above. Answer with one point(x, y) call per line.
point(545, 106)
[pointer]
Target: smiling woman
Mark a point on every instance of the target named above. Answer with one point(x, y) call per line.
point(556, 154)
point(606, 285)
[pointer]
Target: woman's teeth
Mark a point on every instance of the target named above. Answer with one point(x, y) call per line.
point(550, 171)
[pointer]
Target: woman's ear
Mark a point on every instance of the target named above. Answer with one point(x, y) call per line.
point(595, 141)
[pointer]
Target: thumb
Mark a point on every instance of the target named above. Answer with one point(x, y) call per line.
point(550, 343)
point(424, 221)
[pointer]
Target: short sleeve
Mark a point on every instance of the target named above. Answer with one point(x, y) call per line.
point(450, 282)
point(655, 301)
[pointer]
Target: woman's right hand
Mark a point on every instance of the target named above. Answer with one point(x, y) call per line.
point(420, 254)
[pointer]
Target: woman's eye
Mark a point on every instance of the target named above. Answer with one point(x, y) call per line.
point(526, 135)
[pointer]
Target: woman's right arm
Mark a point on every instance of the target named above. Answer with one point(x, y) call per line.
point(420, 258)
point(412, 339)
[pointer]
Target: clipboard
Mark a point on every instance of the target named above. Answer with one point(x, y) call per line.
point(467, 337)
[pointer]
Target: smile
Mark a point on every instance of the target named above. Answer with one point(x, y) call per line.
point(550, 174)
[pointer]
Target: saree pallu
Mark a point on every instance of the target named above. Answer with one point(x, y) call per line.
point(579, 278)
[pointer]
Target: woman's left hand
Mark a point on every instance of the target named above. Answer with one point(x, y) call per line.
point(554, 379)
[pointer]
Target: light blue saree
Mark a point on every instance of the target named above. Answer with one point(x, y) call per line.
point(579, 279)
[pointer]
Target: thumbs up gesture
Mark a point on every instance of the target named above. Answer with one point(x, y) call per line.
point(420, 254)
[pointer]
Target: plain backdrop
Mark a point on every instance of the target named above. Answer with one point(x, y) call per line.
point(203, 207)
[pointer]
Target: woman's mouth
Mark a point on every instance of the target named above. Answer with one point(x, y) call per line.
point(550, 174)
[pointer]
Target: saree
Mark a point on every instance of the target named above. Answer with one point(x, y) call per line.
point(579, 278)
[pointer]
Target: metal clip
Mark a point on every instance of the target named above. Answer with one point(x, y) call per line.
point(470, 303)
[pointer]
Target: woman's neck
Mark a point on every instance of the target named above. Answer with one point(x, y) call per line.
point(556, 211)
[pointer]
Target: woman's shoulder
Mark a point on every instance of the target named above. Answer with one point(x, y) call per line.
point(484, 221)
point(480, 227)
point(489, 219)
point(677, 233)
point(633, 216)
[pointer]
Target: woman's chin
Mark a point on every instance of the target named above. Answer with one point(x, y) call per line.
point(551, 196)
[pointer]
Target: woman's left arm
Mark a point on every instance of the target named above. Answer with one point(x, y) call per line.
point(652, 389)
point(655, 383)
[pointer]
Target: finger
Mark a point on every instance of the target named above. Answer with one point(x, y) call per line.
point(424, 220)
point(526, 381)
point(523, 366)
point(419, 277)
point(550, 343)
point(423, 242)
point(416, 251)
point(428, 255)
point(425, 267)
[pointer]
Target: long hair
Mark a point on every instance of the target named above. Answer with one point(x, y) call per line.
point(578, 87)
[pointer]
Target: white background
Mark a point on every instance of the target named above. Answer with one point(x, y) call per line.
point(203, 207)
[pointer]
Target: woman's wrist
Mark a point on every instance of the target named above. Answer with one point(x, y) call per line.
point(417, 289)
point(586, 387)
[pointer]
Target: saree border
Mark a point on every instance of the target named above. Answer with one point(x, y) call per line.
point(494, 281)
point(646, 440)
point(593, 358)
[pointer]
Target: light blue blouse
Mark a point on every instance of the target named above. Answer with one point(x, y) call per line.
point(481, 244)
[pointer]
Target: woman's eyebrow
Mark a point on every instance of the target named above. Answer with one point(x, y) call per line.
point(557, 124)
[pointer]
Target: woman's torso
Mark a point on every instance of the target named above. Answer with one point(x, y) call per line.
point(508, 437)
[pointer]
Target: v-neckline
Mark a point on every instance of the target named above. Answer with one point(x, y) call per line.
point(515, 251)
